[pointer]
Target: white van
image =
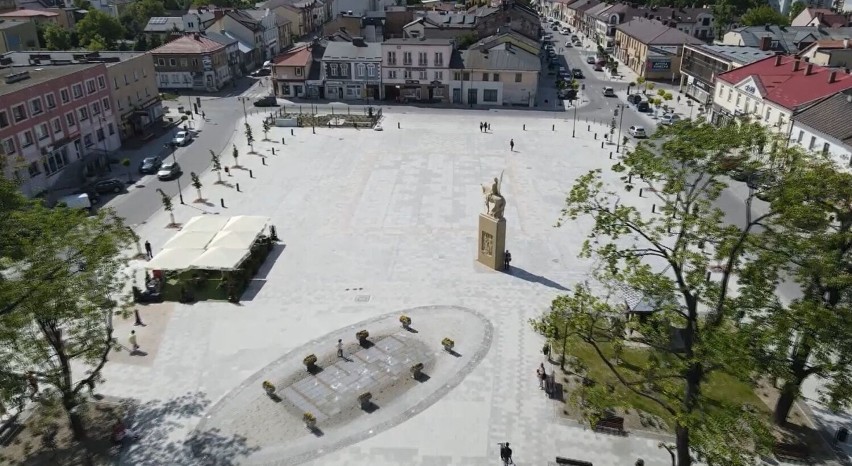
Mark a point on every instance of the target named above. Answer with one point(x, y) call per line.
point(76, 201)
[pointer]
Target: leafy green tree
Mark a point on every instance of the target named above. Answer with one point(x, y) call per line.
point(141, 44)
point(724, 12)
point(56, 37)
point(266, 128)
point(99, 28)
point(663, 254)
point(217, 165)
point(796, 8)
point(61, 285)
point(763, 14)
point(154, 42)
point(167, 205)
point(236, 154)
point(249, 137)
point(196, 183)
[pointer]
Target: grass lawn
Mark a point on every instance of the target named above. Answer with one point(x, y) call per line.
point(718, 386)
point(168, 96)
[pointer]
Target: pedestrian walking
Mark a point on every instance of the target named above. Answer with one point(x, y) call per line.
point(507, 259)
point(511, 145)
point(481, 126)
point(203, 116)
point(148, 250)
point(506, 454)
point(134, 345)
point(546, 351)
point(339, 348)
point(487, 127)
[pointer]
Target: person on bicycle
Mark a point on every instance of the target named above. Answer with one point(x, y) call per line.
point(506, 454)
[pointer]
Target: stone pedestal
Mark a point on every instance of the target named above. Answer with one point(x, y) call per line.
point(491, 242)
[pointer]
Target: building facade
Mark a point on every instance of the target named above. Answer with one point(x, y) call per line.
point(18, 35)
point(650, 48)
point(192, 62)
point(57, 125)
point(416, 69)
point(701, 64)
point(352, 70)
point(290, 71)
point(826, 128)
point(503, 75)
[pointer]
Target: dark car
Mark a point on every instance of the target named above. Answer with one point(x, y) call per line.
point(568, 94)
point(268, 101)
point(112, 185)
point(590, 60)
point(262, 72)
point(642, 106)
point(149, 165)
point(578, 73)
point(634, 99)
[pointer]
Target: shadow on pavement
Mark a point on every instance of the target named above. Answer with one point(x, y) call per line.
point(527, 276)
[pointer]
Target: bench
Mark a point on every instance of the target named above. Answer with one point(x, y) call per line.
point(570, 462)
point(612, 425)
point(791, 451)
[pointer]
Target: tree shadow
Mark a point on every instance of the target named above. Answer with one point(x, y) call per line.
point(369, 407)
point(454, 353)
point(527, 276)
point(411, 330)
point(157, 422)
point(316, 431)
point(422, 377)
point(314, 369)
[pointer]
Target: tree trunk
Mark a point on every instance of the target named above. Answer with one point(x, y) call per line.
point(791, 388)
point(199, 194)
point(219, 175)
point(682, 444)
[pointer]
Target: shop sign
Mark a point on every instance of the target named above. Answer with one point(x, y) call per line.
point(659, 65)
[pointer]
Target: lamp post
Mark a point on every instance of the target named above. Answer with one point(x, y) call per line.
point(574, 129)
point(172, 146)
point(620, 120)
point(243, 100)
point(691, 107)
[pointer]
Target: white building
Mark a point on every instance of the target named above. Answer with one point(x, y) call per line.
point(269, 23)
point(416, 69)
point(826, 128)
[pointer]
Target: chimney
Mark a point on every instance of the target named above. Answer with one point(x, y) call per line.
point(765, 43)
point(778, 60)
point(796, 65)
point(832, 77)
point(809, 69)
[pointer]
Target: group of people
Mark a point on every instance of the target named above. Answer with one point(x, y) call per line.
point(484, 127)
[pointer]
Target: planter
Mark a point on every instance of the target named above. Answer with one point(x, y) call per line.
point(364, 399)
point(310, 420)
point(448, 344)
point(405, 321)
point(416, 370)
point(362, 336)
point(268, 387)
point(310, 361)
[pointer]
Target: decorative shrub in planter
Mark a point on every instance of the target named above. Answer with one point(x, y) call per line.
point(310, 361)
point(362, 336)
point(405, 321)
point(448, 344)
point(310, 420)
point(364, 399)
point(268, 387)
point(416, 370)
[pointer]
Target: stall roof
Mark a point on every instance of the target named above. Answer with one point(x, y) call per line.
point(190, 240)
point(212, 223)
point(247, 224)
point(220, 259)
point(233, 240)
point(174, 259)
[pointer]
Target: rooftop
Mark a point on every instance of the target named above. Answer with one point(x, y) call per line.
point(738, 54)
point(244, 18)
point(70, 57)
point(789, 39)
point(38, 75)
point(832, 116)
point(12, 22)
point(196, 43)
point(785, 80)
point(297, 57)
point(653, 32)
point(512, 59)
point(164, 24)
point(350, 51)
point(417, 41)
point(28, 13)
point(220, 38)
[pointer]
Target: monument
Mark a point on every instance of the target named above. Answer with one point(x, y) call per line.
point(491, 248)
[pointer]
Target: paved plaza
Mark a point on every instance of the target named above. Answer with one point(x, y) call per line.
point(373, 224)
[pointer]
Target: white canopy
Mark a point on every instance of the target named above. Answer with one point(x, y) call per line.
point(220, 259)
point(190, 240)
point(174, 259)
point(247, 224)
point(233, 240)
point(212, 223)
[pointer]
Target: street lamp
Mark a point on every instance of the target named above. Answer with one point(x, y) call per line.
point(574, 129)
point(243, 100)
point(620, 120)
point(172, 146)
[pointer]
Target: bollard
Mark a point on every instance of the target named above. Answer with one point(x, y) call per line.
point(596, 136)
point(588, 127)
point(525, 127)
point(610, 155)
point(222, 201)
point(398, 126)
point(251, 175)
point(640, 192)
point(291, 134)
point(263, 160)
point(553, 127)
point(629, 179)
point(238, 187)
point(653, 208)
point(314, 129)
point(708, 277)
point(273, 151)
point(602, 144)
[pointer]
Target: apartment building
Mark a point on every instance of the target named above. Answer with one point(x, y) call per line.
point(416, 69)
point(192, 62)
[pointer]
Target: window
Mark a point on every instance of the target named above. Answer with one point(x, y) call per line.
point(391, 74)
point(106, 102)
point(77, 90)
point(35, 106)
point(26, 138)
point(457, 75)
point(183, 62)
point(391, 58)
point(825, 147)
point(87, 140)
point(422, 59)
point(485, 76)
point(4, 119)
point(126, 81)
point(801, 135)
point(90, 86)
point(362, 70)
point(172, 62)
point(111, 129)
point(115, 82)
point(519, 77)
point(768, 114)
point(406, 74)
point(69, 119)
point(120, 107)
point(51, 100)
point(738, 99)
point(439, 59)
point(466, 75)
point(720, 91)
point(42, 131)
point(100, 133)
point(813, 143)
point(57, 125)
point(496, 77)
point(160, 61)
point(299, 72)
point(164, 79)
point(19, 113)
point(333, 69)
point(730, 94)
point(344, 70)
point(439, 92)
point(439, 76)
point(34, 170)
point(9, 146)
point(83, 112)
point(96, 108)
point(371, 70)
point(63, 96)
point(406, 58)
point(489, 95)
point(101, 82)
point(194, 65)
point(55, 161)
point(422, 75)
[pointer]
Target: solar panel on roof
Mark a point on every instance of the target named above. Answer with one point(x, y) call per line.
point(158, 20)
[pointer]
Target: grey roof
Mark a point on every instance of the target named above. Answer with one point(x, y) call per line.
point(452, 20)
point(653, 32)
point(789, 38)
point(255, 13)
point(67, 57)
point(495, 39)
point(832, 116)
point(597, 9)
point(219, 38)
point(578, 4)
point(242, 17)
point(164, 24)
point(513, 59)
point(349, 51)
point(414, 41)
point(738, 54)
point(38, 75)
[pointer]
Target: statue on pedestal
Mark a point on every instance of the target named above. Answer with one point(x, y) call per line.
point(495, 203)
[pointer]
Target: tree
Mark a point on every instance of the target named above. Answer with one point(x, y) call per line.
point(167, 205)
point(249, 137)
point(99, 28)
point(663, 254)
point(61, 284)
point(724, 12)
point(796, 8)
point(236, 155)
point(217, 165)
point(141, 44)
point(56, 37)
point(762, 15)
point(126, 164)
point(266, 128)
point(154, 42)
point(196, 183)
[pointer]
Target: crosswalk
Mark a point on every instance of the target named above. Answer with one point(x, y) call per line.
point(261, 89)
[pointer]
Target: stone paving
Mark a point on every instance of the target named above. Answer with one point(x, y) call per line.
point(373, 223)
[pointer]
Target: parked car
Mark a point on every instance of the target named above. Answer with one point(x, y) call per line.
point(643, 106)
point(567, 94)
point(555, 27)
point(609, 50)
point(262, 72)
point(268, 101)
point(182, 138)
point(565, 31)
point(150, 165)
point(578, 73)
point(669, 119)
point(598, 67)
point(634, 99)
point(608, 92)
point(169, 170)
point(591, 60)
point(574, 37)
point(112, 185)
point(75, 201)
point(637, 132)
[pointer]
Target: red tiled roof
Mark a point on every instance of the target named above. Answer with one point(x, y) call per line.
point(785, 87)
point(833, 20)
point(300, 57)
point(26, 13)
point(189, 44)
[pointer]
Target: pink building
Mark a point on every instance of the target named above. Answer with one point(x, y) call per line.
point(57, 125)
